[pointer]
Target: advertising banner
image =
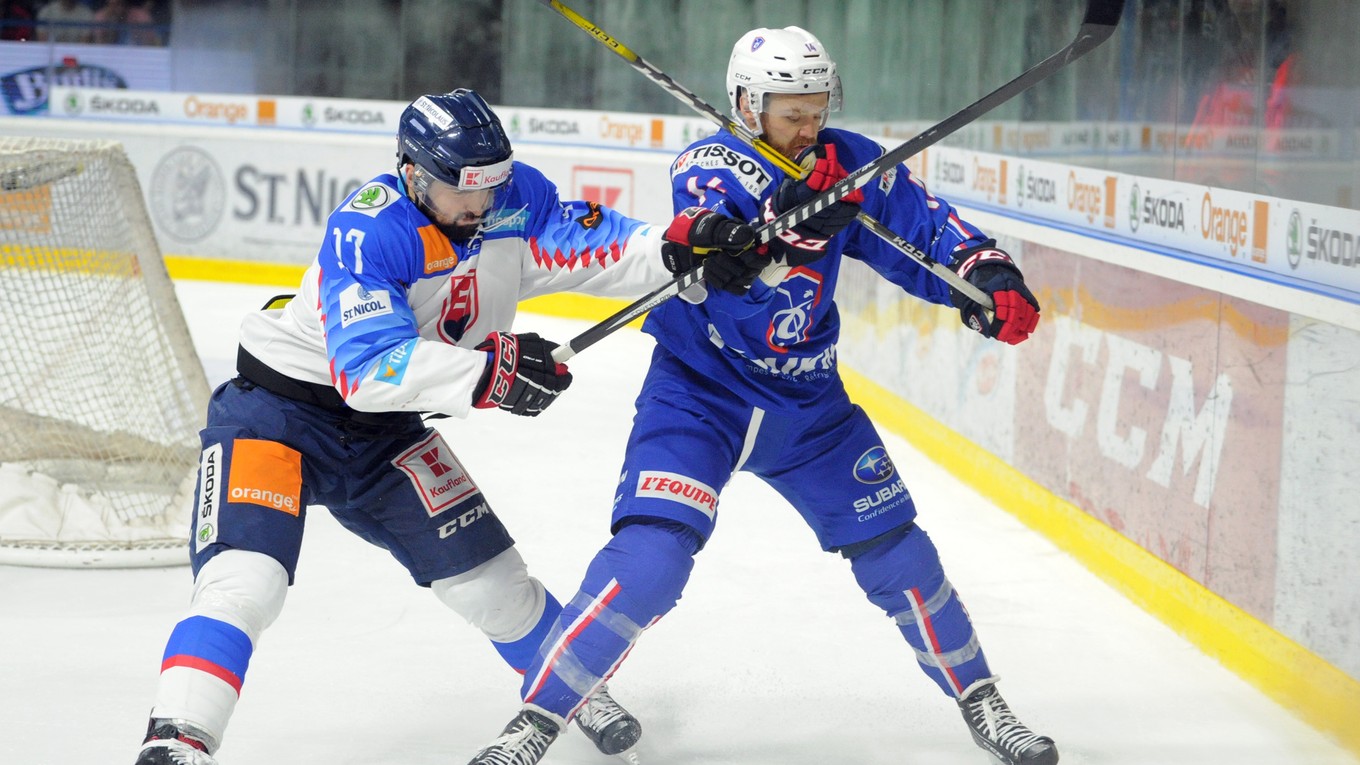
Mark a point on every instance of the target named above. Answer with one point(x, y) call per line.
point(260, 194)
point(644, 132)
point(30, 71)
point(1310, 245)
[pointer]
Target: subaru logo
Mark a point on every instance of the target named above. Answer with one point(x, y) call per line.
point(874, 466)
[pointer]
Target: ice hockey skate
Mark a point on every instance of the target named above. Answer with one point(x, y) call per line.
point(996, 729)
point(612, 729)
point(523, 742)
point(173, 743)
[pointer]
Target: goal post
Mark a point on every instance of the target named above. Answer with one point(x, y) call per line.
point(101, 392)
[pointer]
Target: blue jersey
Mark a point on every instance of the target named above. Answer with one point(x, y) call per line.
point(390, 310)
point(776, 346)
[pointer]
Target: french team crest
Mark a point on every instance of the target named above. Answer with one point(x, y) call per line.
point(796, 297)
point(756, 43)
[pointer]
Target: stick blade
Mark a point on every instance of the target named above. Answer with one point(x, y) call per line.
point(1103, 13)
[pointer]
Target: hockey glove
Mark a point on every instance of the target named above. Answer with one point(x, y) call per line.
point(699, 235)
point(521, 376)
point(806, 241)
point(993, 272)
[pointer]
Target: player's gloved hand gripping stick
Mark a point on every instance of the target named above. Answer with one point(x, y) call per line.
point(1098, 23)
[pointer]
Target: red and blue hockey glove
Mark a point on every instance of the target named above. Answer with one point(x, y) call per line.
point(699, 235)
point(807, 241)
point(521, 376)
point(993, 272)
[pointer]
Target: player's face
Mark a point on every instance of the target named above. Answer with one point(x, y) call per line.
point(457, 213)
point(791, 121)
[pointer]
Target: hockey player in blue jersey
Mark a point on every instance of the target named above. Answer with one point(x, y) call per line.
point(746, 379)
point(407, 309)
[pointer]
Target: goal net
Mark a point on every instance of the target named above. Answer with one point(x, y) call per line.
point(101, 392)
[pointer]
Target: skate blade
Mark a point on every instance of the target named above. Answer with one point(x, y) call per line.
point(629, 757)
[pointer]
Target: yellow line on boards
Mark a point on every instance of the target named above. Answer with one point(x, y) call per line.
point(1296, 678)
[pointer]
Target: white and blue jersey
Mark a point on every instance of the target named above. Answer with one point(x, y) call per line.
point(390, 310)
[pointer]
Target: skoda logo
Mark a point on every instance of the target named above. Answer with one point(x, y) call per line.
point(874, 466)
point(74, 103)
point(1294, 239)
point(308, 115)
point(1133, 208)
point(1020, 187)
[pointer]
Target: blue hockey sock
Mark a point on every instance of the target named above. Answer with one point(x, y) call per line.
point(903, 576)
point(632, 582)
point(520, 653)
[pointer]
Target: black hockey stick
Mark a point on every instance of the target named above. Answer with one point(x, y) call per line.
point(1097, 25)
point(767, 151)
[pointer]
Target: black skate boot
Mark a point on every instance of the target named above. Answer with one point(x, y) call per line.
point(995, 728)
point(175, 742)
point(523, 742)
point(608, 725)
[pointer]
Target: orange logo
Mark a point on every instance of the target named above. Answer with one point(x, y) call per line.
point(439, 254)
point(265, 473)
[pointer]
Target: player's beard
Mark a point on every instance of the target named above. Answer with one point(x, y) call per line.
point(456, 232)
point(792, 148)
point(459, 232)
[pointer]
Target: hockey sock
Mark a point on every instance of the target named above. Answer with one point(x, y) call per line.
point(237, 595)
point(519, 654)
point(635, 580)
point(903, 576)
point(202, 671)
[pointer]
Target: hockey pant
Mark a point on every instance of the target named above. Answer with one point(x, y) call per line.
point(238, 594)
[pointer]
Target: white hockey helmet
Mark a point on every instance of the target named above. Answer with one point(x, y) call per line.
point(788, 60)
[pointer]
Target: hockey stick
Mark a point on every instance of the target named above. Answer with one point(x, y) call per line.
point(1097, 25)
point(767, 151)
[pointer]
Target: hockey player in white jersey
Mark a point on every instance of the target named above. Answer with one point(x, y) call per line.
point(747, 380)
point(406, 310)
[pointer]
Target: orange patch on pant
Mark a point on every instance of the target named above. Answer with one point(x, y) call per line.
point(265, 473)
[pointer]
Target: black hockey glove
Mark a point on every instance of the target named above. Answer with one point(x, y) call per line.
point(521, 376)
point(806, 241)
point(699, 235)
point(993, 272)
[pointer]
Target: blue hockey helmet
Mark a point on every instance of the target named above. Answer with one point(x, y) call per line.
point(461, 158)
point(456, 139)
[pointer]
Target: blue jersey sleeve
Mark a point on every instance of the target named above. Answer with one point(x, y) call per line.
point(366, 267)
point(900, 201)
